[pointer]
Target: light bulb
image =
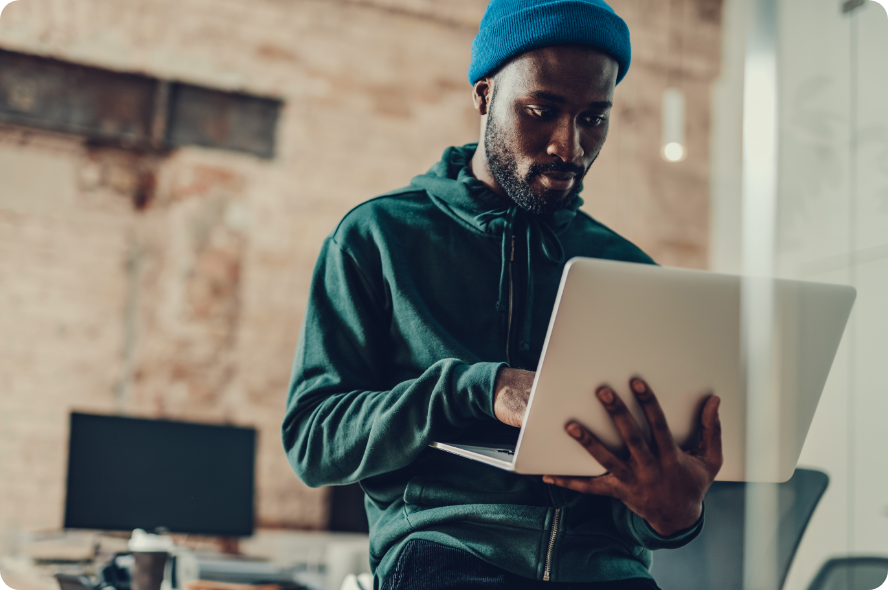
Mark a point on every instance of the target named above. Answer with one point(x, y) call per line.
point(673, 152)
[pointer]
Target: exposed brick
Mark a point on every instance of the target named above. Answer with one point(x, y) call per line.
point(189, 305)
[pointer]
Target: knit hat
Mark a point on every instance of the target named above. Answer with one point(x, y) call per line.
point(511, 27)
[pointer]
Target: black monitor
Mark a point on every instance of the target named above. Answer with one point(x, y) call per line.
point(128, 473)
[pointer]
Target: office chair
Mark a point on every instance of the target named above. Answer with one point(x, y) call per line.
point(851, 573)
point(715, 558)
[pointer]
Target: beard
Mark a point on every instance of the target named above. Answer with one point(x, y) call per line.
point(503, 165)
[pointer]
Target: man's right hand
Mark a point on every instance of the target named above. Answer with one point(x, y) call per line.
point(511, 392)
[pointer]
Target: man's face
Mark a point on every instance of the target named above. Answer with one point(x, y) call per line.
point(547, 120)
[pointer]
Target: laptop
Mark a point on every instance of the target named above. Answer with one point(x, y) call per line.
point(682, 331)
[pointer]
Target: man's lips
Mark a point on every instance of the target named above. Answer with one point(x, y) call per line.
point(560, 175)
point(559, 181)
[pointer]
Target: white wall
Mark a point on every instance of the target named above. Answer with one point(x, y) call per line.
point(832, 226)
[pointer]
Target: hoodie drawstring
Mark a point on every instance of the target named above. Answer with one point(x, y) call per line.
point(553, 253)
point(549, 245)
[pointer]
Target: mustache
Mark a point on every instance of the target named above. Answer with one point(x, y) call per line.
point(556, 167)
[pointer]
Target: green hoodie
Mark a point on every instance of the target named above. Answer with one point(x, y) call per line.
point(413, 299)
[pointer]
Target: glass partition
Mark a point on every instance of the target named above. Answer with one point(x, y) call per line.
point(816, 209)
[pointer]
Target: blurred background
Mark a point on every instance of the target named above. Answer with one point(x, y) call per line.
point(169, 169)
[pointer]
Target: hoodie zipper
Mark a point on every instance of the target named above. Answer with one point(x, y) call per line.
point(511, 305)
point(547, 571)
point(552, 535)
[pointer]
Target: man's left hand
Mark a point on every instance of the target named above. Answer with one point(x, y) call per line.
point(658, 481)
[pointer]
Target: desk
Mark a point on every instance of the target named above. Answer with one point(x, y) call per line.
point(323, 559)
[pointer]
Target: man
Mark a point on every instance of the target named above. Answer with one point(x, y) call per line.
point(427, 314)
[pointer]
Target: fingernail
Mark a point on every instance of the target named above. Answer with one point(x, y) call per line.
point(574, 430)
point(606, 395)
point(638, 386)
point(548, 479)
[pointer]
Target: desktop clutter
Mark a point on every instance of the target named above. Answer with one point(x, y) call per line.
point(288, 561)
point(154, 562)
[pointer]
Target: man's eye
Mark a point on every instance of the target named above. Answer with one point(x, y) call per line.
point(594, 120)
point(540, 112)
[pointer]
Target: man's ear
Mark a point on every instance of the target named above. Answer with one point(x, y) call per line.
point(481, 94)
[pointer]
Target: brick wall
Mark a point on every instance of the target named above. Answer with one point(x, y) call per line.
point(190, 308)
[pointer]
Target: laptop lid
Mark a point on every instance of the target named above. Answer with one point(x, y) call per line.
point(681, 330)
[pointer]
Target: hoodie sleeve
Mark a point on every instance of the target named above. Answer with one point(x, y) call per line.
point(636, 529)
point(341, 425)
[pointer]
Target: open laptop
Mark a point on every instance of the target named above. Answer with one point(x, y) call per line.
point(682, 331)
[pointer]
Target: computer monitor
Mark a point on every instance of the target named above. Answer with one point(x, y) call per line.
point(128, 473)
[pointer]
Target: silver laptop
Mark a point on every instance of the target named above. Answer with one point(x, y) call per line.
point(681, 331)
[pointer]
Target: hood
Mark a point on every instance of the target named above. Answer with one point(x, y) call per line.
point(452, 187)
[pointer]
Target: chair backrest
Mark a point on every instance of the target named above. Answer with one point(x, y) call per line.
point(851, 573)
point(715, 558)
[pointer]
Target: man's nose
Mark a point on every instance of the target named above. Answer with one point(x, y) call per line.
point(565, 142)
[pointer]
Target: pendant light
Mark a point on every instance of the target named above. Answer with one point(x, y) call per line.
point(672, 144)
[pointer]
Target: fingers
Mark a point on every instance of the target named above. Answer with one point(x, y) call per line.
point(710, 448)
point(595, 448)
point(626, 424)
point(660, 433)
point(605, 485)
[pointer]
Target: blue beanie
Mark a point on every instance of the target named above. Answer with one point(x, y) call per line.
point(511, 27)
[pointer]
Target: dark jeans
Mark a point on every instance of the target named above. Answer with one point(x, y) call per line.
point(424, 565)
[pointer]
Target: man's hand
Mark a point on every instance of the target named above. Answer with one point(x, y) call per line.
point(658, 481)
point(511, 392)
